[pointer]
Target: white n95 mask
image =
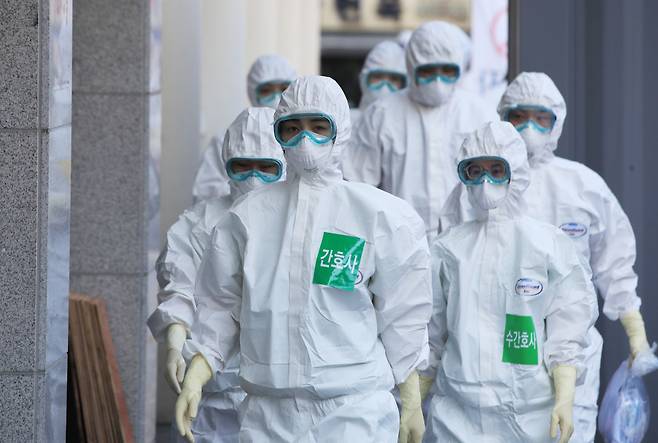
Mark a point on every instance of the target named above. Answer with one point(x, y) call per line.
point(487, 196)
point(308, 157)
point(436, 93)
point(247, 185)
point(535, 141)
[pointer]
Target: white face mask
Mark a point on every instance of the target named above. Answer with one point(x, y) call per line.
point(535, 141)
point(487, 196)
point(308, 158)
point(246, 186)
point(372, 95)
point(271, 101)
point(436, 93)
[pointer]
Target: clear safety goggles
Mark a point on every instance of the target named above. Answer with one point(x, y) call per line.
point(474, 171)
point(267, 170)
point(378, 79)
point(269, 91)
point(290, 130)
point(446, 72)
point(539, 117)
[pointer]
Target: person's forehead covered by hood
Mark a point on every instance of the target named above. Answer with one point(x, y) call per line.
point(266, 69)
point(318, 95)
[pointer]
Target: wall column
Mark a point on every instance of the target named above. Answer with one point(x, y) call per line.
point(35, 153)
point(115, 223)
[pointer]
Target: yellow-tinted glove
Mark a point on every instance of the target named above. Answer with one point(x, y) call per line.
point(564, 382)
point(425, 386)
point(637, 336)
point(187, 404)
point(412, 425)
point(175, 364)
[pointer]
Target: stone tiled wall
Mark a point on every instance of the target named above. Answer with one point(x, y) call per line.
point(35, 153)
point(114, 192)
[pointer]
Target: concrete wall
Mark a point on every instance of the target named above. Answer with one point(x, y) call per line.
point(114, 189)
point(35, 152)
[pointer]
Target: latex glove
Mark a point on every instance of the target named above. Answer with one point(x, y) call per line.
point(637, 336)
point(412, 425)
point(175, 363)
point(564, 382)
point(425, 386)
point(187, 404)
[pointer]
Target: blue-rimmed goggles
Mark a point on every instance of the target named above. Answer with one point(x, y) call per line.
point(378, 79)
point(475, 170)
point(267, 170)
point(268, 92)
point(524, 116)
point(317, 127)
point(446, 72)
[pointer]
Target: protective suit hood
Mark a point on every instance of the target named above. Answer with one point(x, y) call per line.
point(403, 37)
point(251, 136)
point(536, 89)
point(268, 68)
point(384, 56)
point(499, 139)
point(320, 95)
point(433, 42)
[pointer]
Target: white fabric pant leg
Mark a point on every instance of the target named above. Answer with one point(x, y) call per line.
point(371, 417)
point(450, 421)
point(217, 418)
point(585, 404)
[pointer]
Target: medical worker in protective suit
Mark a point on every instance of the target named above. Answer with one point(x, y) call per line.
point(323, 286)
point(268, 77)
point(512, 307)
point(383, 73)
point(407, 143)
point(253, 159)
point(574, 198)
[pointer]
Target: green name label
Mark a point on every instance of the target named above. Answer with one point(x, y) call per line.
point(520, 341)
point(337, 264)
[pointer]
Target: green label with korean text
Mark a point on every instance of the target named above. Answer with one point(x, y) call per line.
point(520, 341)
point(338, 261)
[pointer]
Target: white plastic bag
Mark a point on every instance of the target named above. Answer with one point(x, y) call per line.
point(624, 413)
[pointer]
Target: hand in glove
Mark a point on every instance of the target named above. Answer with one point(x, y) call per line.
point(637, 336)
point(187, 404)
point(564, 382)
point(412, 425)
point(425, 386)
point(175, 364)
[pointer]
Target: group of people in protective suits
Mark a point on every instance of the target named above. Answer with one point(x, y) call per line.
point(423, 268)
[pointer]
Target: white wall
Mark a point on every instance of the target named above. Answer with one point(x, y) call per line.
point(235, 33)
point(181, 126)
point(208, 47)
point(181, 106)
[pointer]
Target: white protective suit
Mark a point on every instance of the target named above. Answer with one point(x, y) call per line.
point(574, 198)
point(406, 145)
point(317, 362)
point(511, 302)
point(250, 136)
point(211, 179)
